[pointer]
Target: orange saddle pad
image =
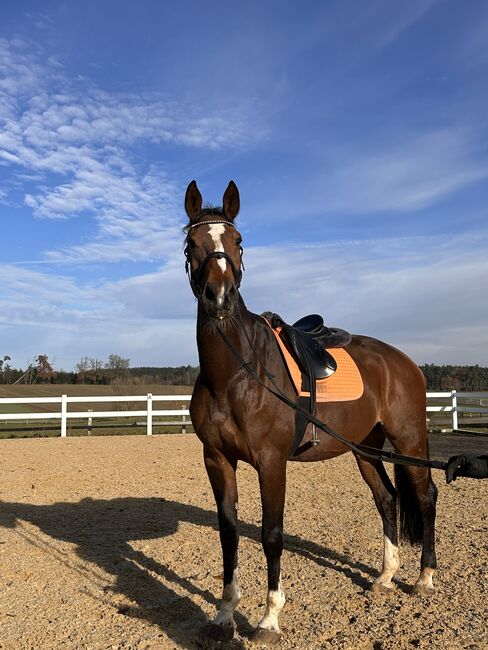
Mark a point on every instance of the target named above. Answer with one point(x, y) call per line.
point(344, 385)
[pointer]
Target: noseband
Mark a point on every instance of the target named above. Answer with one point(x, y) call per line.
point(196, 276)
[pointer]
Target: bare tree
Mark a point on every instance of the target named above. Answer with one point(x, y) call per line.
point(95, 364)
point(115, 362)
point(82, 368)
point(117, 366)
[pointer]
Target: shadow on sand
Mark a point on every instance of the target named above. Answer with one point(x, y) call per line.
point(102, 530)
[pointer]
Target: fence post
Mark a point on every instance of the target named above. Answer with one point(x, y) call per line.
point(64, 419)
point(90, 422)
point(183, 421)
point(454, 410)
point(149, 414)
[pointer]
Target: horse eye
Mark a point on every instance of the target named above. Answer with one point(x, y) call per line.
point(238, 241)
point(191, 243)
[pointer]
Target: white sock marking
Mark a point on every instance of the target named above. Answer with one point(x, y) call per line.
point(391, 563)
point(274, 605)
point(425, 578)
point(231, 595)
point(216, 231)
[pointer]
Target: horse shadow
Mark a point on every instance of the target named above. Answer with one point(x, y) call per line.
point(102, 531)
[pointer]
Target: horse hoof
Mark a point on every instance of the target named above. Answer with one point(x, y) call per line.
point(218, 632)
point(264, 636)
point(420, 589)
point(382, 588)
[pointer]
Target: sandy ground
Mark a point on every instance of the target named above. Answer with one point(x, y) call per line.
point(111, 543)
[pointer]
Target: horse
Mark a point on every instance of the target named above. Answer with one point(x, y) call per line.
point(237, 419)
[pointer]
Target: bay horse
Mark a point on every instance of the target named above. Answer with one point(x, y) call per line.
point(238, 420)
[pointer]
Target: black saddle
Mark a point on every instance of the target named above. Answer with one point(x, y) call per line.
point(307, 340)
point(330, 337)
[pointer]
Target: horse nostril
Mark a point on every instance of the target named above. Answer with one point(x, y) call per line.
point(210, 293)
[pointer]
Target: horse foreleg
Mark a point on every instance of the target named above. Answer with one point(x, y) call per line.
point(222, 475)
point(384, 495)
point(272, 481)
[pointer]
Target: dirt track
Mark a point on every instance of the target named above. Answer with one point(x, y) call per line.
point(111, 543)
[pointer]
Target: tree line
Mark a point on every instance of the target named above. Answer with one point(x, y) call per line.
point(90, 370)
point(117, 369)
point(462, 378)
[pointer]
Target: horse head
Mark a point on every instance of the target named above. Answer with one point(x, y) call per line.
point(213, 251)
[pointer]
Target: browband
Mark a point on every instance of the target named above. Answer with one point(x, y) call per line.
point(202, 223)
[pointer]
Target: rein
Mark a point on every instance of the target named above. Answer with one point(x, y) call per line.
point(365, 451)
point(362, 450)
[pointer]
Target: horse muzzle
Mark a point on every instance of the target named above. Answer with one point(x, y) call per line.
point(220, 299)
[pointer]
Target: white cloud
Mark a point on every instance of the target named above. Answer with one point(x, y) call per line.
point(41, 312)
point(412, 174)
point(75, 147)
point(403, 17)
point(397, 174)
point(424, 295)
point(20, 71)
point(81, 139)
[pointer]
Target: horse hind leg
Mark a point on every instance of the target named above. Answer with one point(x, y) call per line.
point(384, 494)
point(417, 499)
point(417, 495)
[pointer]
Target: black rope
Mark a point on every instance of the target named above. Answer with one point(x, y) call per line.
point(362, 450)
point(268, 374)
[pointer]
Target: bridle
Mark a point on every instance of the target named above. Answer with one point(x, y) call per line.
point(195, 277)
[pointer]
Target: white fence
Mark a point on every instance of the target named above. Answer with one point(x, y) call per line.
point(451, 406)
point(454, 407)
point(64, 415)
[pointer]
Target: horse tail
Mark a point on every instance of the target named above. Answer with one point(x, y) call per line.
point(411, 523)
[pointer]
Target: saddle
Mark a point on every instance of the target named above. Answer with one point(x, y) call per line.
point(307, 340)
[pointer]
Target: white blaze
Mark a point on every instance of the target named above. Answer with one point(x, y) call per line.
point(216, 231)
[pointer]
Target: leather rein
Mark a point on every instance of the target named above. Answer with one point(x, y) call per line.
point(365, 451)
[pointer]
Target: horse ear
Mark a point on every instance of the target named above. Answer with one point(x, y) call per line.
point(231, 202)
point(193, 201)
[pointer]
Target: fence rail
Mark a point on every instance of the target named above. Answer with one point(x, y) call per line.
point(455, 408)
point(64, 415)
point(452, 406)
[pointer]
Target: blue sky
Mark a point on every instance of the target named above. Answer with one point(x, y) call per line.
point(356, 133)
